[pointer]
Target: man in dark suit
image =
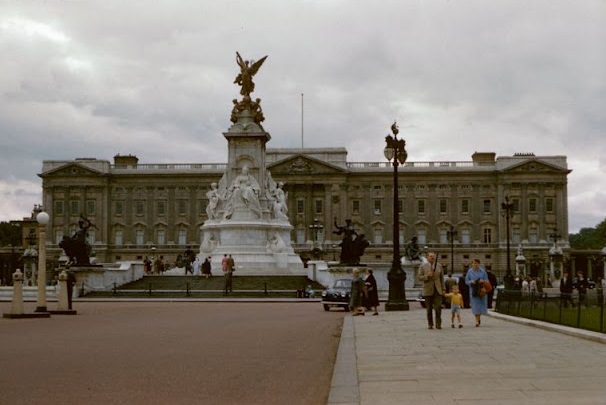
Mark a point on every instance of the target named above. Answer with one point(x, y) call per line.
point(581, 285)
point(566, 290)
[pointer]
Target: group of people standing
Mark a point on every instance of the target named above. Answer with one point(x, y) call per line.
point(434, 291)
point(478, 282)
point(364, 294)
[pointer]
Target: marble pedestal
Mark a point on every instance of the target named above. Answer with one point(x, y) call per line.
point(258, 247)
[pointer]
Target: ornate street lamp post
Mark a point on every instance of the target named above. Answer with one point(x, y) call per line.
point(451, 236)
point(42, 219)
point(396, 149)
point(507, 209)
point(315, 228)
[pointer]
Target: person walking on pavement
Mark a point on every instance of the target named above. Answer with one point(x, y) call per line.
point(475, 278)
point(581, 286)
point(456, 303)
point(432, 277)
point(229, 268)
point(196, 266)
point(372, 298)
point(206, 266)
point(566, 290)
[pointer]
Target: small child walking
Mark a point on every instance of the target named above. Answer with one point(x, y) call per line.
point(456, 303)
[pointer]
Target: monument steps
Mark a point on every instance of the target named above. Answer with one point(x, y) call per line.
point(200, 287)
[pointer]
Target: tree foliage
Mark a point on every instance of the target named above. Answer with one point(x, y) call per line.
point(10, 234)
point(589, 238)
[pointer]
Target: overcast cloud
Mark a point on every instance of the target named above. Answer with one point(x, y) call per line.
point(155, 79)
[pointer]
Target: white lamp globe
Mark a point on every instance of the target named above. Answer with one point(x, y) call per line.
point(42, 218)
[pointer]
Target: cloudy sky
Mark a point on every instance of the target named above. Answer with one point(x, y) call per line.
point(155, 79)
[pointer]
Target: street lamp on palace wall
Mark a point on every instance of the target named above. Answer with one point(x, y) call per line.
point(42, 219)
point(507, 209)
point(396, 149)
point(451, 235)
point(315, 228)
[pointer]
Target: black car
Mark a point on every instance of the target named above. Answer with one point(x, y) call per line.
point(589, 284)
point(337, 295)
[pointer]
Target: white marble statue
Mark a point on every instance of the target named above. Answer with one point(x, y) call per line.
point(213, 202)
point(276, 244)
point(243, 192)
point(277, 198)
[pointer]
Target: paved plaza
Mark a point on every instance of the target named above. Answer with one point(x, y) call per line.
point(395, 359)
point(273, 353)
point(170, 352)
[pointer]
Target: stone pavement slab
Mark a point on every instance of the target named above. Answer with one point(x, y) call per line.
point(397, 360)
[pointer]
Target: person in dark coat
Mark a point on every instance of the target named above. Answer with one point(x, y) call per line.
point(493, 282)
point(464, 290)
point(71, 281)
point(206, 267)
point(372, 298)
point(581, 285)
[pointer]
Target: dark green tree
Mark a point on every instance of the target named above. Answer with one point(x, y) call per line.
point(589, 238)
point(10, 234)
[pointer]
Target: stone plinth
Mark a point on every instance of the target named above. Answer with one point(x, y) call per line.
point(257, 247)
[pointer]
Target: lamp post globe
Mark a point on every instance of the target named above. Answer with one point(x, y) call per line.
point(395, 149)
point(42, 218)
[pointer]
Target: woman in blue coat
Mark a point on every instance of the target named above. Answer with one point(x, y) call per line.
point(475, 278)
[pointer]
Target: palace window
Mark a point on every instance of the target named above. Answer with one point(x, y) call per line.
point(465, 236)
point(487, 235)
point(421, 239)
point(161, 208)
point(119, 207)
point(533, 235)
point(182, 207)
point(91, 207)
point(74, 207)
point(421, 206)
point(377, 207)
point(516, 204)
point(182, 237)
point(443, 236)
point(161, 237)
point(118, 237)
point(300, 206)
point(139, 237)
point(487, 206)
point(465, 206)
point(301, 236)
point(400, 206)
point(318, 206)
point(549, 205)
point(532, 205)
point(355, 206)
point(515, 236)
point(443, 206)
point(139, 208)
point(378, 236)
point(58, 207)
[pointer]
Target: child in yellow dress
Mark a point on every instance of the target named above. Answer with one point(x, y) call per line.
point(456, 303)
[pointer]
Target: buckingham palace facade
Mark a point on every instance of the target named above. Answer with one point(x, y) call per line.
point(452, 207)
